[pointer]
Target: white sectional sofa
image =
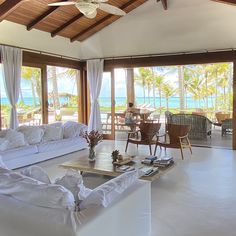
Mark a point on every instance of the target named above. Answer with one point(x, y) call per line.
point(28, 206)
point(129, 215)
point(40, 143)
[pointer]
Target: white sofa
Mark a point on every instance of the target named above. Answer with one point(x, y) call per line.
point(128, 215)
point(32, 153)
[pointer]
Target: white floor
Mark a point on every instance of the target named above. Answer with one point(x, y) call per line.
point(196, 198)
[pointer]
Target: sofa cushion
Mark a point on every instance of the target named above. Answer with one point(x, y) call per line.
point(4, 143)
point(16, 139)
point(32, 134)
point(73, 181)
point(38, 173)
point(72, 129)
point(106, 193)
point(12, 139)
point(52, 133)
point(34, 192)
point(18, 152)
point(59, 144)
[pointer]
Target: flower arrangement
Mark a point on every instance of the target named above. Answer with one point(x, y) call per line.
point(93, 138)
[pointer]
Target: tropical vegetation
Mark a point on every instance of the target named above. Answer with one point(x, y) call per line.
point(209, 85)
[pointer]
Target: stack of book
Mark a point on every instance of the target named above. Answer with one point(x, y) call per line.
point(124, 168)
point(149, 160)
point(163, 161)
point(149, 170)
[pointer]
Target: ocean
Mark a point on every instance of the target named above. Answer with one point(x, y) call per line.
point(174, 102)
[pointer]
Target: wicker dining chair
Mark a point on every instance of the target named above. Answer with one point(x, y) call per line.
point(178, 138)
point(146, 135)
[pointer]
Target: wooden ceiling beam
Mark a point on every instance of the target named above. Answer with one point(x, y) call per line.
point(231, 2)
point(101, 21)
point(9, 6)
point(64, 26)
point(164, 3)
point(40, 18)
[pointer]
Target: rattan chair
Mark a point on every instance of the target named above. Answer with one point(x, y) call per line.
point(146, 135)
point(178, 138)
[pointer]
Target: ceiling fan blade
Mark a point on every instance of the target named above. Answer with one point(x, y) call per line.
point(92, 15)
point(111, 9)
point(232, 2)
point(61, 4)
point(98, 1)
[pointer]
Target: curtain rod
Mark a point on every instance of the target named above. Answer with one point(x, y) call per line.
point(42, 52)
point(161, 54)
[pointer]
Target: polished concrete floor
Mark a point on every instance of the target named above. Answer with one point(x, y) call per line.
point(196, 198)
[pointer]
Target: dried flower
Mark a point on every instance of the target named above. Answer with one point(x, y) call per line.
point(93, 138)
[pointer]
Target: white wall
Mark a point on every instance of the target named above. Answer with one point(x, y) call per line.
point(188, 25)
point(17, 35)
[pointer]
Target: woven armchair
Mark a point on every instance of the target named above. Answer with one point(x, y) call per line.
point(227, 126)
point(200, 125)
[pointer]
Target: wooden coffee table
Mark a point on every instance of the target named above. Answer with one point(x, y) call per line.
point(103, 166)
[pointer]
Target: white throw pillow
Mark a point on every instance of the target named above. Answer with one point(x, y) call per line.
point(52, 133)
point(32, 134)
point(4, 143)
point(73, 181)
point(106, 193)
point(16, 139)
point(34, 192)
point(72, 129)
point(36, 172)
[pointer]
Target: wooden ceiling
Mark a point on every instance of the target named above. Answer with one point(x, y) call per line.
point(65, 21)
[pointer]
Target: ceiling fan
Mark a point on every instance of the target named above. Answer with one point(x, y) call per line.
point(232, 2)
point(89, 7)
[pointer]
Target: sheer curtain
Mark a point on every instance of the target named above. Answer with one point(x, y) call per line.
point(12, 62)
point(95, 72)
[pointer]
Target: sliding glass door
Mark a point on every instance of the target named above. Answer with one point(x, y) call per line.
point(63, 97)
point(106, 101)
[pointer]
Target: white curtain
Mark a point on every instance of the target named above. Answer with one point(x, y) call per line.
point(12, 62)
point(95, 72)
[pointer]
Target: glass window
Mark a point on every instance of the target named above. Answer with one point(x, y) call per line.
point(63, 96)
point(29, 106)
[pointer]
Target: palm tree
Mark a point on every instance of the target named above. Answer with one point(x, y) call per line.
point(189, 73)
point(34, 76)
point(158, 82)
point(141, 79)
point(149, 82)
point(168, 91)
